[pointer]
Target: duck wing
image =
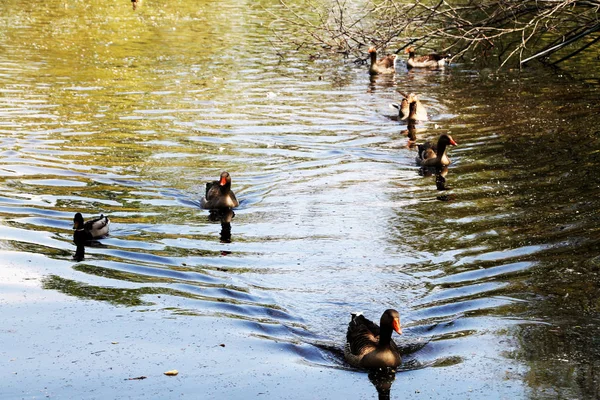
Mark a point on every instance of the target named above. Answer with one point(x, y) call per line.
point(425, 149)
point(362, 336)
point(387, 61)
point(97, 227)
point(212, 189)
point(429, 57)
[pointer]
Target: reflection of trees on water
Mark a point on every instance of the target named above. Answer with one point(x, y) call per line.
point(528, 195)
point(115, 296)
point(564, 356)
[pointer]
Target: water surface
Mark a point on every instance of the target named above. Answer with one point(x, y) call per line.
point(107, 110)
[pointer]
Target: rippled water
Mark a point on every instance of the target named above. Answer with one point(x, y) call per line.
point(106, 110)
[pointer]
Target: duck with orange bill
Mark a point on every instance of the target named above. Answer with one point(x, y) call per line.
point(385, 65)
point(370, 346)
point(434, 154)
point(219, 194)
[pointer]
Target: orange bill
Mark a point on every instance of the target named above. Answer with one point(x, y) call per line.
point(396, 326)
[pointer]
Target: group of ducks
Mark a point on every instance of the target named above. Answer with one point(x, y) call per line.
point(387, 64)
point(368, 345)
point(410, 108)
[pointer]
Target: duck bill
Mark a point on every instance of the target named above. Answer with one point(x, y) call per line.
point(75, 225)
point(452, 142)
point(396, 326)
point(223, 181)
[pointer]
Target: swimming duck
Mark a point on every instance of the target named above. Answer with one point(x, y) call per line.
point(368, 345)
point(385, 65)
point(92, 229)
point(429, 61)
point(86, 231)
point(219, 194)
point(434, 155)
point(404, 111)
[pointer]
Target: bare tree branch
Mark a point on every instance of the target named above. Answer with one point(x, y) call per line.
point(506, 29)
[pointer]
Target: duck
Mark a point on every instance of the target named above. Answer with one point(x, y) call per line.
point(404, 108)
point(428, 61)
point(368, 346)
point(434, 155)
point(385, 65)
point(86, 231)
point(219, 195)
point(92, 229)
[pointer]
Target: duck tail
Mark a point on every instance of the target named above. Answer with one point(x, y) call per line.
point(356, 316)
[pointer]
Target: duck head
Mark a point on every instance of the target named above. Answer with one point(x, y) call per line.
point(225, 179)
point(447, 140)
point(78, 221)
point(411, 97)
point(373, 54)
point(391, 318)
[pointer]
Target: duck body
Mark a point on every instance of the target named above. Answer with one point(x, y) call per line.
point(406, 109)
point(219, 194)
point(93, 229)
point(370, 346)
point(385, 65)
point(434, 155)
point(428, 61)
point(403, 108)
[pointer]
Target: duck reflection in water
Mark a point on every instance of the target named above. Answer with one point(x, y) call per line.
point(224, 216)
point(382, 379)
point(411, 133)
point(408, 113)
point(441, 183)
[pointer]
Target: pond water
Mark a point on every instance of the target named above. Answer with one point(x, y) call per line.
point(107, 110)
